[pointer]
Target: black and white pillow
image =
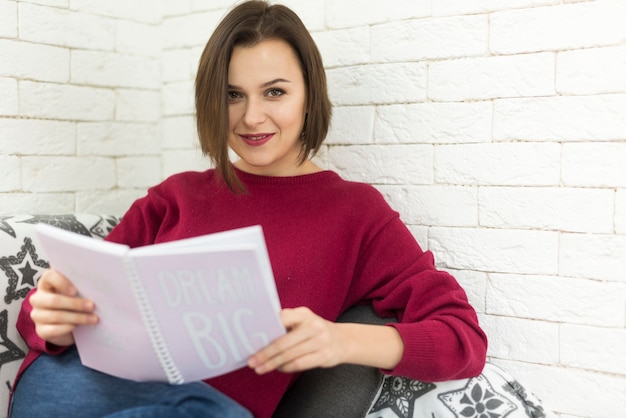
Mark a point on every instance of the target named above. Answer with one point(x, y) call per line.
point(492, 394)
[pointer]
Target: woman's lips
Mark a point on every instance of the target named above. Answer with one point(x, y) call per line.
point(256, 140)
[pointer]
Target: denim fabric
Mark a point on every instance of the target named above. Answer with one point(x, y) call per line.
point(60, 386)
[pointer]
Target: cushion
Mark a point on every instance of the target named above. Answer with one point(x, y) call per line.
point(492, 394)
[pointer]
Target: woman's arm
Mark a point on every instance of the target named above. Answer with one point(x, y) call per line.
point(437, 336)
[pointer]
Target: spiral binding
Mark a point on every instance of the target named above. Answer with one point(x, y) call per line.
point(162, 352)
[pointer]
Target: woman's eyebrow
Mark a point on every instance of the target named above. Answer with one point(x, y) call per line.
point(277, 80)
point(266, 84)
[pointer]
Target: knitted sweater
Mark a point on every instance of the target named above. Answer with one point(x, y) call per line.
point(332, 244)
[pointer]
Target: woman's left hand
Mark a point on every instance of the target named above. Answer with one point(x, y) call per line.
point(310, 342)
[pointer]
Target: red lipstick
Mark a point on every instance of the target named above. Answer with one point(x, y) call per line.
point(256, 140)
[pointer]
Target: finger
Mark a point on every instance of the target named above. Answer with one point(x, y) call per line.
point(301, 363)
point(60, 317)
point(54, 331)
point(307, 334)
point(55, 334)
point(54, 301)
point(292, 359)
point(53, 281)
point(295, 335)
point(273, 355)
point(316, 351)
point(295, 316)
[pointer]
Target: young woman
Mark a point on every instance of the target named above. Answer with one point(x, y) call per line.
point(261, 91)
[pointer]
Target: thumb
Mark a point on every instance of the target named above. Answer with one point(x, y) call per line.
point(54, 282)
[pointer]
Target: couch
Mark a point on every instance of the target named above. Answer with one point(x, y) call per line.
point(345, 391)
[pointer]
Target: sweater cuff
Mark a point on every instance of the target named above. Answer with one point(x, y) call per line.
point(419, 355)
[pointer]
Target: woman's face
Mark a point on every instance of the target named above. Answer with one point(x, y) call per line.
point(266, 110)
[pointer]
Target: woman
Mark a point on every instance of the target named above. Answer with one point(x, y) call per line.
point(261, 90)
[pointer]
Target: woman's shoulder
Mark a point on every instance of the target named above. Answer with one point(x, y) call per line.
point(357, 189)
point(185, 180)
point(190, 176)
point(355, 194)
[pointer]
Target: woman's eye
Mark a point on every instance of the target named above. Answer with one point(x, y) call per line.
point(275, 92)
point(233, 95)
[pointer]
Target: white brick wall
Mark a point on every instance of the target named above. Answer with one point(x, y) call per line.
point(68, 28)
point(34, 61)
point(8, 19)
point(497, 128)
point(81, 108)
point(9, 102)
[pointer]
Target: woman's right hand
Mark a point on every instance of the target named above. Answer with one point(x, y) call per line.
point(57, 309)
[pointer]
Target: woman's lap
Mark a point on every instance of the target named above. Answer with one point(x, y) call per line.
point(61, 386)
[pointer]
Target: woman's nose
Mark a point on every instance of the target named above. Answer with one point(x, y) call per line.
point(254, 113)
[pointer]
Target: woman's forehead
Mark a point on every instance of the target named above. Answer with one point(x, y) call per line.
point(263, 62)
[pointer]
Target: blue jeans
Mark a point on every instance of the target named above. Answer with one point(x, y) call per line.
point(60, 386)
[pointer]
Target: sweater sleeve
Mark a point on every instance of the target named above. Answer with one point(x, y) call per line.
point(140, 224)
point(439, 328)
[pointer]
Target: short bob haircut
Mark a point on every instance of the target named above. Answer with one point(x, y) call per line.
point(246, 25)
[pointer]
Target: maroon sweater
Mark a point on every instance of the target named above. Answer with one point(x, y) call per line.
point(332, 244)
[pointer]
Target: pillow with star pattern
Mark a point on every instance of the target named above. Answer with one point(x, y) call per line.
point(492, 394)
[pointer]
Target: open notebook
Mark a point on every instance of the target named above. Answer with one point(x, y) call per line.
point(177, 312)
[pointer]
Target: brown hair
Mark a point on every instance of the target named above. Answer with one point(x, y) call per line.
point(246, 25)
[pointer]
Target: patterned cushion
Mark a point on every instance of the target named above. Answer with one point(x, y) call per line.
point(492, 394)
point(21, 264)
